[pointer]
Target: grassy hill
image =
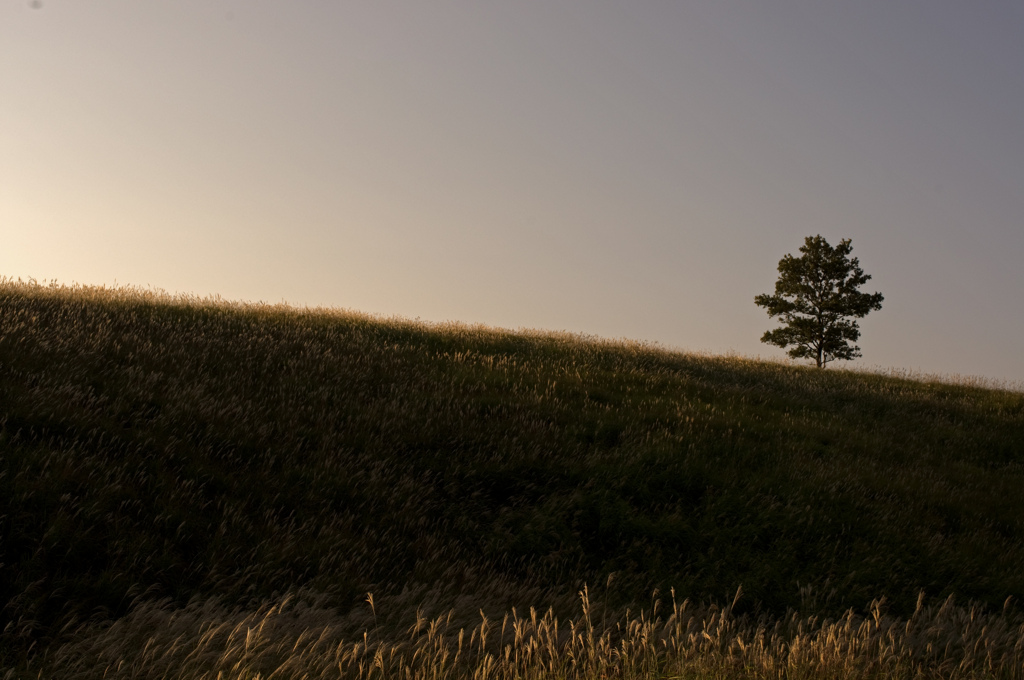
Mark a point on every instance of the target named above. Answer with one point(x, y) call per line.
point(188, 455)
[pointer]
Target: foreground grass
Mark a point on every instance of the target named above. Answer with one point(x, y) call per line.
point(212, 457)
point(301, 639)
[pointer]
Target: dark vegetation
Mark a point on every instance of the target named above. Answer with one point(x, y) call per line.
point(817, 299)
point(158, 448)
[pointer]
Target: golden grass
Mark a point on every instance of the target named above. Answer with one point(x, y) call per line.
point(297, 637)
point(134, 295)
point(224, 453)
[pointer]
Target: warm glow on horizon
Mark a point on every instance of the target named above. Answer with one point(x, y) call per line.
point(621, 169)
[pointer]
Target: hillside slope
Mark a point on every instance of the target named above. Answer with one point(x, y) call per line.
point(154, 447)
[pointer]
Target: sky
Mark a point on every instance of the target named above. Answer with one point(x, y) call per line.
point(622, 169)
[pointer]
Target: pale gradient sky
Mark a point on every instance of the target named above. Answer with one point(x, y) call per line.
point(630, 169)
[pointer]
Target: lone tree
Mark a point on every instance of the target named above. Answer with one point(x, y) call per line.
point(816, 298)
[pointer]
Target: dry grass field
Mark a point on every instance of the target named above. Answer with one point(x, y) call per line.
point(191, 488)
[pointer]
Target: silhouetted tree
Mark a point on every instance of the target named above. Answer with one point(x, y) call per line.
point(816, 298)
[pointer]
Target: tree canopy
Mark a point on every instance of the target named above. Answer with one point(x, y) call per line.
point(817, 299)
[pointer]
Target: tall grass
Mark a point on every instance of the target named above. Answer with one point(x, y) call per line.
point(160, 455)
point(293, 638)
